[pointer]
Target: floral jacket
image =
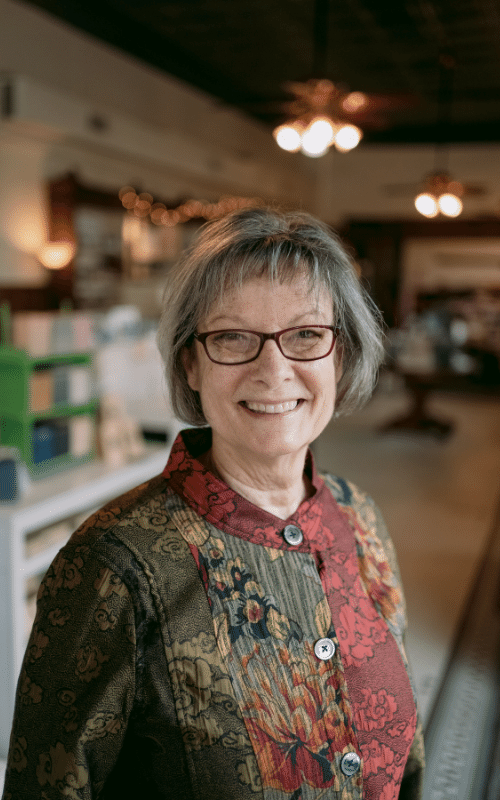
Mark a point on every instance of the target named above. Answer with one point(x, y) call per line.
point(188, 645)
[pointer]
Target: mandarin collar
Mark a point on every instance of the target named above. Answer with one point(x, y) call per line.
point(215, 501)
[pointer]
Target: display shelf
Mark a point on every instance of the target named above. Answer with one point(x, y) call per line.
point(64, 411)
point(41, 399)
point(68, 498)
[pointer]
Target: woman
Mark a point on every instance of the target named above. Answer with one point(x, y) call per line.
point(233, 628)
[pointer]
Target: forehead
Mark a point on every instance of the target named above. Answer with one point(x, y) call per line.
point(295, 294)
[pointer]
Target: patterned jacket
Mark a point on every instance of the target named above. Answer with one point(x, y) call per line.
point(133, 685)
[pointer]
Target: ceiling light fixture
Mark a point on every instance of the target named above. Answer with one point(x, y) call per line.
point(440, 193)
point(319, 122)
point(320, 112)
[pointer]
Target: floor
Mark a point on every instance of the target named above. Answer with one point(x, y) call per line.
point(439, 500)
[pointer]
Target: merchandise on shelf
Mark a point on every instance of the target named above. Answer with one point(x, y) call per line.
point(47, 407)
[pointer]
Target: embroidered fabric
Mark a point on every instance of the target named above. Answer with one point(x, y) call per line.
point(271, 599)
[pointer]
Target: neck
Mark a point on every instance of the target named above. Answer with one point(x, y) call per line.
point(278, 487)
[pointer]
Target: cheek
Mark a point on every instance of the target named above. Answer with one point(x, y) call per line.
point(326, 387)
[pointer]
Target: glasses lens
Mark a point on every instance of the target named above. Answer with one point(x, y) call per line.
point(232, 347)
point(307, 342)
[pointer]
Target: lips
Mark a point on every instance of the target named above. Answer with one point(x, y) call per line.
point(268, 408)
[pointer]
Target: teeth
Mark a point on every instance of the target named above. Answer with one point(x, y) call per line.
point(278, 408)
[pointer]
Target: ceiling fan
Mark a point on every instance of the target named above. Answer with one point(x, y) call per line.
point(438, 192)
point(322, 113)
point(436, 183)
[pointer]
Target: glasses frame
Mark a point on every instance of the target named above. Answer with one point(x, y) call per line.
point(202, 338)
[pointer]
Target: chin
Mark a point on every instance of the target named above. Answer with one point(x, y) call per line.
point(276, 448)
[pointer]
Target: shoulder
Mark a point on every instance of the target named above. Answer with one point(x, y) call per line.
point(139, 503)
point(140, 538)
point(143, 507)
point(349, 495)
point(139, 515)
point(360, 505)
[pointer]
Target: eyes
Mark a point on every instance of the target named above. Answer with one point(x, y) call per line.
point(300, 343)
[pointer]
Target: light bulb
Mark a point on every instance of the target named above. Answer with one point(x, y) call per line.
point(347, 138)
point(322, 129)
point(450, 205)
point(426, 205)
point(318, 137)
point(312, 150)
point(288, 137)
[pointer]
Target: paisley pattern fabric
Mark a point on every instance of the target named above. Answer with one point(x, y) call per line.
point(173, 652)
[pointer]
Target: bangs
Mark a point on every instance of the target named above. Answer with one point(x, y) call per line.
point(278, 261)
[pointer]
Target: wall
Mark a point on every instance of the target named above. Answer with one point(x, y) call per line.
point(199, 147)
point(204, 149)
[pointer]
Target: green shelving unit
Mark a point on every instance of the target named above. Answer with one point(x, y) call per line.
point(20, 423)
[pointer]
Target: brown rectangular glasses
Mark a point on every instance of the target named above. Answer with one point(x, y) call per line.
point(301, 343)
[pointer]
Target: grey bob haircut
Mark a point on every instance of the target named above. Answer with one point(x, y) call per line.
point(280, 246)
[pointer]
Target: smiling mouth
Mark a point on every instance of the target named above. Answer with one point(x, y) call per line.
point(276, 408)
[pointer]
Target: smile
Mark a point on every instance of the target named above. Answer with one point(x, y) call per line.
point(276, 408)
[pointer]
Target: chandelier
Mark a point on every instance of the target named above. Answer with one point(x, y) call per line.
point(320, 118)
point(320, 112)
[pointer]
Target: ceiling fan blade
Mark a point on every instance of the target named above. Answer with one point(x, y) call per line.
point(475, 189)
point(401, 189)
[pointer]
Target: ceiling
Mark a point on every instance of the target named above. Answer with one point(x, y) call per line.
point(244, 51)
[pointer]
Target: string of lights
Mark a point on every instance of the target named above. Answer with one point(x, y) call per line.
point(143, 205)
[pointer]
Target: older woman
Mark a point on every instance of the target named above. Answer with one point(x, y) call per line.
point(233, 629)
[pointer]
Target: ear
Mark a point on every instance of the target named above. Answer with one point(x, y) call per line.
point(191, 367)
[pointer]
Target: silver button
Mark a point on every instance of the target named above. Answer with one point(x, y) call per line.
point(324, 649)
point(293, 535)
point(350, 764)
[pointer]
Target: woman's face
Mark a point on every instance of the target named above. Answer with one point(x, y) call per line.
point(270, 407)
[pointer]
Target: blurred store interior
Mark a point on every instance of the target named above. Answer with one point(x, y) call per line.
point(123, 127)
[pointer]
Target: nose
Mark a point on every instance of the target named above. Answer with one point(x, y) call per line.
point(272, 366)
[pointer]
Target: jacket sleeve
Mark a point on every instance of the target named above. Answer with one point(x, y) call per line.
point(77, 683)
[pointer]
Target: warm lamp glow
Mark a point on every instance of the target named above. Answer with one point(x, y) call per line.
point(426, 205)
point(450, 205)
point(318, 137)
point(315, 138)
point(347, 138)
point(288, 137)
point(56, 255)
point(354, 101)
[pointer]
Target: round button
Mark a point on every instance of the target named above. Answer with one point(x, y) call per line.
point(293, 535)
point(324, 649)
point(350, 764)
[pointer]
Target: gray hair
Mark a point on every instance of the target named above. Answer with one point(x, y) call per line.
point(264, 242)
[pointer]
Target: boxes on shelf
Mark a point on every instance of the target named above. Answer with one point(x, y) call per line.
point(47, 407)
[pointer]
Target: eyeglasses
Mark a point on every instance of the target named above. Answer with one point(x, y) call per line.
point(302, 343)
